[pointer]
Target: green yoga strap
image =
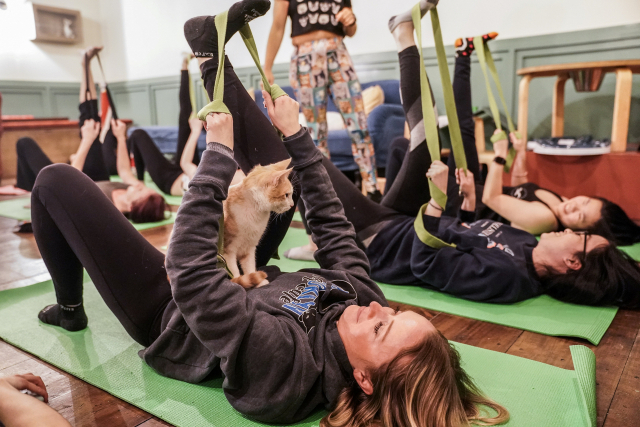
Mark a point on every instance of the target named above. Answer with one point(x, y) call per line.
point(486, 61)
point(192, 98)
point(430, 123)
point(217, 105)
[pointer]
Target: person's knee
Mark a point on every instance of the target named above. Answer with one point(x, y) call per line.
point(24, 145)
point(138, 136)
point(58, 175)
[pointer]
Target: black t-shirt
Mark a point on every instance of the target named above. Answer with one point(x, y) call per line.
point(313, 15)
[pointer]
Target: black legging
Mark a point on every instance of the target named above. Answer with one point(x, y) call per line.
point(74, 231)
point(146, 154)
point(31, 160)
point(407, 185)
point(184, 130)
point(89, 110)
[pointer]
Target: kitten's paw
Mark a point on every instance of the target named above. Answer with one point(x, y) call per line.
point(251, 280)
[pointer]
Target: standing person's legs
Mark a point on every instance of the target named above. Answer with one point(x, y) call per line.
point(73, 232)
point(31, 160)
point(410, 189)
point(308, 75)
point(147, 155)
point(347, 94)
point(255, 143)
point(184, 130)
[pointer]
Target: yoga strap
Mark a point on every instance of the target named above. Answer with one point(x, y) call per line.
point(430, 123)
point(217, 105)
point(486, 61)
point(114, 114)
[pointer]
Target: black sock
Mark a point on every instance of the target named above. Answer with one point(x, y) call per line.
point(201, 33)
point(69, 318)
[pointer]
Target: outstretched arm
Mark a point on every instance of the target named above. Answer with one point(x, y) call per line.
point(20, 410)
point(186, 160)
point(123, 162)
point(90, 131)
point(280, 11)
point(330, 230)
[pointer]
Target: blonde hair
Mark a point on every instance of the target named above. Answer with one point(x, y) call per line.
point(423, 386)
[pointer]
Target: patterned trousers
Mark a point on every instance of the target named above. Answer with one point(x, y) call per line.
point(323, 68)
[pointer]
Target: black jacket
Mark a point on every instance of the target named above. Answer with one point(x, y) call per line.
point(491, 261)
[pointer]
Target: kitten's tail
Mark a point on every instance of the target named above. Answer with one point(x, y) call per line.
point(251, 280)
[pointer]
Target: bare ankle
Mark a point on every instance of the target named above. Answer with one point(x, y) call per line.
point(403, 35)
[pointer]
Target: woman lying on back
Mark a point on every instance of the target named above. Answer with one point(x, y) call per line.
point(320, 337)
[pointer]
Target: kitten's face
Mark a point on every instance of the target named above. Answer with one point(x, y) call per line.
point(273, 182)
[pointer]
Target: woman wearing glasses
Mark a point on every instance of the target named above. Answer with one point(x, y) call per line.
point(483, 260)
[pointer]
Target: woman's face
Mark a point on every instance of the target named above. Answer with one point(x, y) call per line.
point(580, 212)
point(560, 246)
point(374, 335)
point(137, 192)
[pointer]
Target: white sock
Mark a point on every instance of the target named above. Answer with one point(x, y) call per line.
point(300, 253)
point(425, 6)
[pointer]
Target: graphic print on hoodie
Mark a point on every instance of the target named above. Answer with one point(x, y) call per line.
point(315, 295)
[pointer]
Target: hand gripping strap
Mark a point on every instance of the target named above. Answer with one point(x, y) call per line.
point(429, 116)
point(430, 123)
point(217, 106)
point(426, 237)
point(486, 61)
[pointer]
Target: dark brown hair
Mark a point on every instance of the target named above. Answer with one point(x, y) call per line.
point(150, 209)
point(422, 386)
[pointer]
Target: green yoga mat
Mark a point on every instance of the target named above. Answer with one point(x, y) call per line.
point(17, 209)
point(542, 314)
point(536, 394)
point(172, 200)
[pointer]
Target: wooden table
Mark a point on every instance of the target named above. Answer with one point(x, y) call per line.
point(594, 72)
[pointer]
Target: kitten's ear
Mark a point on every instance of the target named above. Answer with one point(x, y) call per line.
point(279, 176)
point(280, 166)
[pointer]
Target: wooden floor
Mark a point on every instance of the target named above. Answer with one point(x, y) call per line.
point(618, 355)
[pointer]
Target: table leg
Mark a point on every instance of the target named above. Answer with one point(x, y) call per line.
point(621, 108)
point(523, 105)
point(557, 117)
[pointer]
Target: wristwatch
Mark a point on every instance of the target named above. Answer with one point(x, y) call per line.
point(500, 160)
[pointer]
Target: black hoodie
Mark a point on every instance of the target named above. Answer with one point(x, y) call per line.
point(492, 262)
point(277, 346)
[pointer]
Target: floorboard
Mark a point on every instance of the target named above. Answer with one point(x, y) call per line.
point(618, 355)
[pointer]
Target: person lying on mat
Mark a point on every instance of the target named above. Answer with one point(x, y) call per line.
point(93, 158)
point(18, 409)
point(524, 204)
point(320, 337)
point(492, 262)
point(172, 177)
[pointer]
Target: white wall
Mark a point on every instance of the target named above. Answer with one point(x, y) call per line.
point(158, 56)
point(22, 59)
point(144, 38)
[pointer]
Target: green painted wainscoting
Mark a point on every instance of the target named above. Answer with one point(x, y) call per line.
point(155, 101)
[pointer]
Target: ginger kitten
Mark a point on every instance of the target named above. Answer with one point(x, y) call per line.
point(264, 190)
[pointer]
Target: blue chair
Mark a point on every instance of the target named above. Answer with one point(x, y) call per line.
point(385, 123)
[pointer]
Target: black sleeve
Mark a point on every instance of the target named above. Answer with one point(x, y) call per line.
point(466, 216)
point(346, 3)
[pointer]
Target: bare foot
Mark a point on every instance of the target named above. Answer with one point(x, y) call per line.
point(403, 35)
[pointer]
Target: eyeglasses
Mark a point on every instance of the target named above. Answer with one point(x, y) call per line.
point(586, 235)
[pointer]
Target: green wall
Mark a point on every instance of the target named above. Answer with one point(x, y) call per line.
point(154, 101)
